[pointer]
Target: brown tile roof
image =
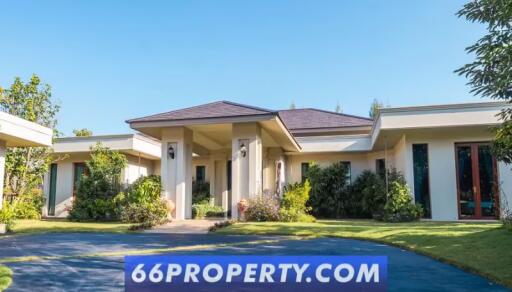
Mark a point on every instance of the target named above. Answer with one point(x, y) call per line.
point(217, 109)
point(308, 118)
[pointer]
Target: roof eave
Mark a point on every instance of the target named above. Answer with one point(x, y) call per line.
point(134, 124)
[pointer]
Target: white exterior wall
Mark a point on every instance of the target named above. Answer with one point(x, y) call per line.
point(136, 168)
point(442, 169)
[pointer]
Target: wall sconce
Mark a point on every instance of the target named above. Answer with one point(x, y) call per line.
point(243, 150)
point(171, 152)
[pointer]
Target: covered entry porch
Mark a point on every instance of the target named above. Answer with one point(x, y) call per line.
point(241, 156)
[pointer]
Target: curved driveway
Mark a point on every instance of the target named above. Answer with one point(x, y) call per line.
point(64, 272)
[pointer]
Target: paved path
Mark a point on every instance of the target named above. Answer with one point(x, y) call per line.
point(407, 271)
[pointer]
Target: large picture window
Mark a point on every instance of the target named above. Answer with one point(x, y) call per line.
point(421, 177)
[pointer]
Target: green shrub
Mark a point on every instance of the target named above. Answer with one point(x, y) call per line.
point(142, 203)
point(7, 215)
point(97, 189)
point(506, 214)
point(146, 214)
point(28, 206)
point(145, 189)
point(200, 192)
point(293, 204)
point(263, 208)
point(200, 211)
point(368, 193)
point(330, 196)
point(399, 206)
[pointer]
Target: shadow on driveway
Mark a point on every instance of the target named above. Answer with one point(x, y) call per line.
point(407, 271)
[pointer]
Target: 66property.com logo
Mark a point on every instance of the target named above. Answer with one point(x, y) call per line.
point(255, 273)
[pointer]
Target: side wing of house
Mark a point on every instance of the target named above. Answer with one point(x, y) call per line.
point(70, 154)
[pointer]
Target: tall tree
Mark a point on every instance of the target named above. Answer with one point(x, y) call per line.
point(338, 108)
point(490, 75)
point(82, 132)
point(292, 105)
point(26, 166)
point(375, 107)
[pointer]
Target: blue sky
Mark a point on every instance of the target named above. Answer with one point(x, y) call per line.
point(108, 61)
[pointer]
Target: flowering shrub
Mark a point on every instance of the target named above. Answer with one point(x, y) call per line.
point(262, 209)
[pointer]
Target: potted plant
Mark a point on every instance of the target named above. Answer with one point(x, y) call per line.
point(242, 207)
point(6, 218)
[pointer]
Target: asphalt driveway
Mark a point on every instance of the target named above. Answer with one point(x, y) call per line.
point(55, 265)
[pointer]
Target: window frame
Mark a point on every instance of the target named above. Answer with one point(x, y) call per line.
point(348, 175)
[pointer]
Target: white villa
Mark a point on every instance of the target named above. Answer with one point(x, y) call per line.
point(242, 151)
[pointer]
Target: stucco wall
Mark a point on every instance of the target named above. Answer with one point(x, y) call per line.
point(358, 162)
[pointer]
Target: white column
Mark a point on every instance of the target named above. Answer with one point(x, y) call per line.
point(212, 169)
point(247, 172)
point(2, 171)
point(177, 171)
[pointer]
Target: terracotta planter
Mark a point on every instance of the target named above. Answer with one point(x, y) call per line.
point(3, 228)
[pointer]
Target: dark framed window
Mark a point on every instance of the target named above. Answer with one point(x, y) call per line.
point(304, 167)
point(348, 173)
point(200, 173)
point(229, 174)
point(380, 167)
point(79, 170)
point(421, 177)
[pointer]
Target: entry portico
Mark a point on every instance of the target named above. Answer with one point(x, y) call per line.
point(240, 143)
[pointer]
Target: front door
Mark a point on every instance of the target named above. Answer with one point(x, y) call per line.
point(477, 178)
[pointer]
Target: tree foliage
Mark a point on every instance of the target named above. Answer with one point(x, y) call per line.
point(375, 107)
point(338, 108)
point(490, 74)
point(82, 132)
point(26, 166)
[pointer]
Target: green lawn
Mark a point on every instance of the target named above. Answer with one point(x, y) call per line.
point(483, 248)
point(62, 225)
point(5, 277)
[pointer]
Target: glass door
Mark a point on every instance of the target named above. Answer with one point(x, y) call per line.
point(476, 181)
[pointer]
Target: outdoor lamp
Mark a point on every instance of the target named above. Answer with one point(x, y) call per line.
point(243, 150)
point(170, 151)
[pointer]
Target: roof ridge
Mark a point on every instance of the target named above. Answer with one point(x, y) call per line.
point(248, 106)
point(172, 111)
point(330, 112)
point(202, 105)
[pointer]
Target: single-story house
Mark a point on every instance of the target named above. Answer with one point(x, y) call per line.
point(243, 151)
point(442, 150)
point(70, 154)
